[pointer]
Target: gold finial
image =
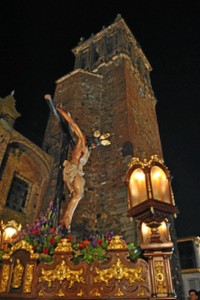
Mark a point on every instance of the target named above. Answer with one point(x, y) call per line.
point(117, 243)
point(64, 246)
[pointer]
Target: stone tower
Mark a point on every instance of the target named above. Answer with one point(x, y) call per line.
point(110, 90)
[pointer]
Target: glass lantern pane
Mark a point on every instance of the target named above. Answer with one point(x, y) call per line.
point(160, 185)
point(137, 186)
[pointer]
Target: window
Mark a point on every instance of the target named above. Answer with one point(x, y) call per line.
point(18, 194)
point(83, 61)
point(109, 44)
point(95, 53)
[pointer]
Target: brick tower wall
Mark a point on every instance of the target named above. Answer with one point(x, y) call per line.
point(108, 101)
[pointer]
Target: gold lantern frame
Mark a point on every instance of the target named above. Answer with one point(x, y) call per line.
point(150, 195)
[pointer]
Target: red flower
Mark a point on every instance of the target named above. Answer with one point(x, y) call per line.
point(52, 230)
point(45, 250)
point(70, 238)
point(36, 231)
point(81, 245)
point(86, 243)
point(99, 242)
point(52, 240)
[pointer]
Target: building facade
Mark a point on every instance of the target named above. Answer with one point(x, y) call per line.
point(25, 169)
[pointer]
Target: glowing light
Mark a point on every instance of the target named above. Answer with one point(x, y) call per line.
point(138, 186)
point(9, 233)
point(156, 175)
point(160, 184)
point(138, 174)
point(163, 226)
point(145, 228)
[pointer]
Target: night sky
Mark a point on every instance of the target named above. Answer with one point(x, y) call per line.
point(36, 38)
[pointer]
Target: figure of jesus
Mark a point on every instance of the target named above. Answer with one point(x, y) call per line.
point(73, 169)
point(73, 175)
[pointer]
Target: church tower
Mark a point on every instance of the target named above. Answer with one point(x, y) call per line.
point(109, 90)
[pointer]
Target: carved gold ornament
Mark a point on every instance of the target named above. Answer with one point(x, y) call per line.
point(117, 243)
point(80, 293)
point(40, 293)
point(145, 163)
point(160, 278)
point(119, 293)
point(21, 245)
point(118, 271)
point(60, 273)
point(5, 278)
point(64, 246)
point(60, 293)
point(142, 293)
point(18, 272)
point(28, 278)
point(97, 293)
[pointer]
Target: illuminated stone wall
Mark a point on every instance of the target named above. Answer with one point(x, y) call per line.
point(21, 158)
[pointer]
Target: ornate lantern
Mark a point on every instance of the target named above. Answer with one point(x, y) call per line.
point(151, 201)
point(150, 195)
point(8, 232)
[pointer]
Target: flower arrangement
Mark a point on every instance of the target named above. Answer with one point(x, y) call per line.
point(92, 249)
point(95, 248)
point(42, 235)
point(44, 238)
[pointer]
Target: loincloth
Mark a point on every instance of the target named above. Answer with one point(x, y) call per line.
point(70, 171)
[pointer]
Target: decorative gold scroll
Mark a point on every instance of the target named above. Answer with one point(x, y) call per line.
point(160, 277)
point(21, 245)
point(60, 273)
point(28, 278)
point(118, 271)
point(117, 243)
point(5, 278)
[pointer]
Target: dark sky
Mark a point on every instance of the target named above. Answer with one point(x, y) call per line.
point(36, 38)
